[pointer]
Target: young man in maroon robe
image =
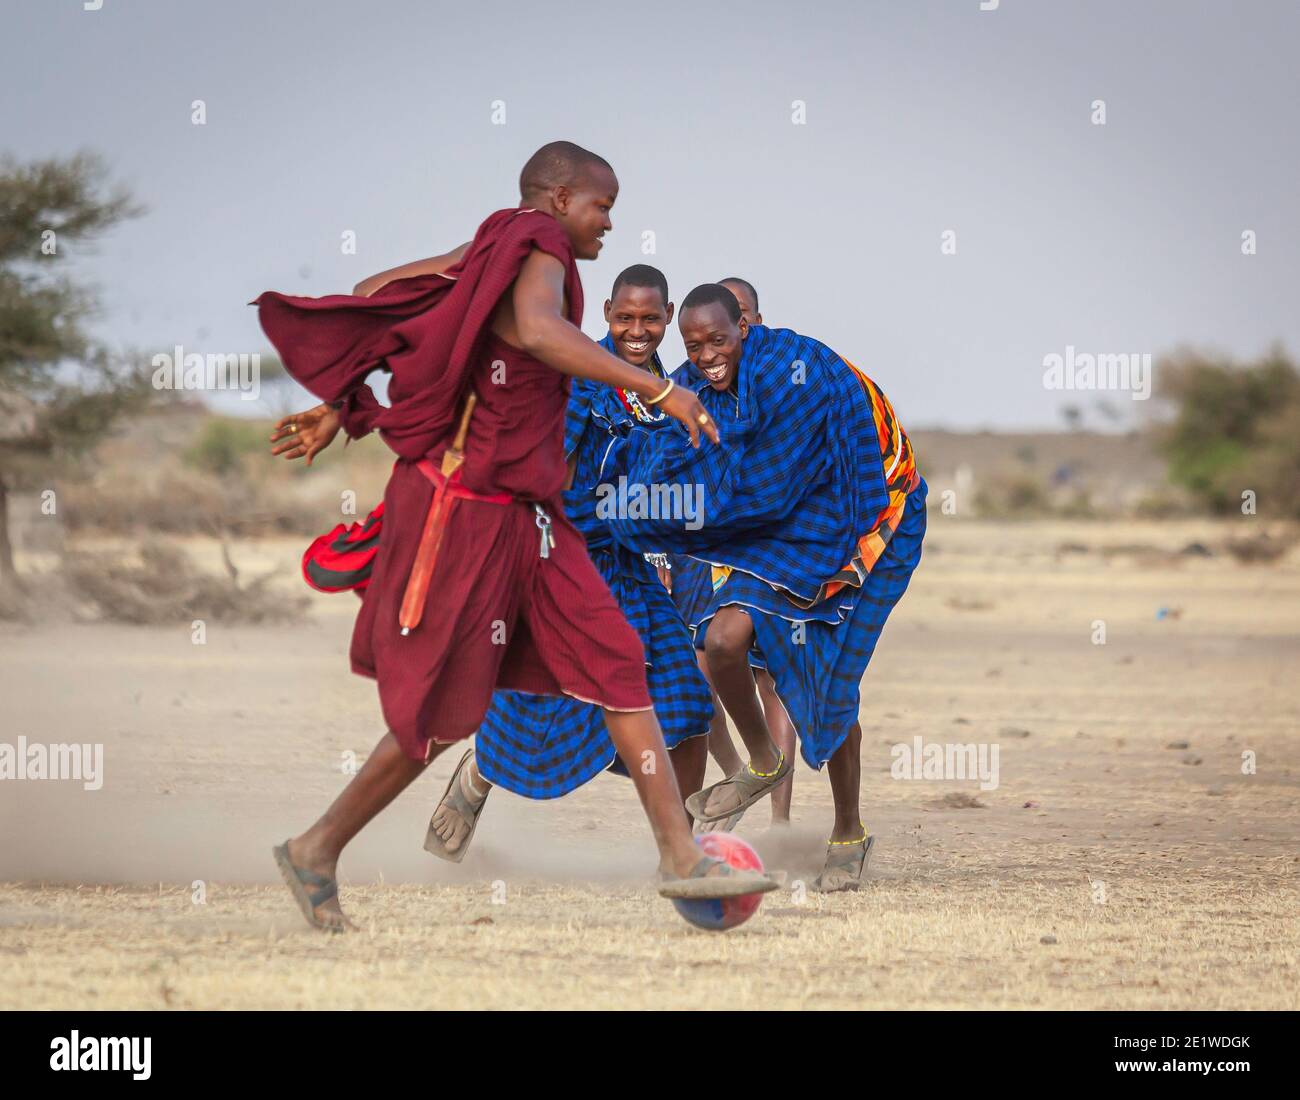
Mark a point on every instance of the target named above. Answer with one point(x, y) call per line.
point(480, 581)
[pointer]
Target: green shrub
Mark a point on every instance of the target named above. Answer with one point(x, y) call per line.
point(224, 442)
point(1236, 427)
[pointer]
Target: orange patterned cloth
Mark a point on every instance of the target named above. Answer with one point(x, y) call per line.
point(901, 477)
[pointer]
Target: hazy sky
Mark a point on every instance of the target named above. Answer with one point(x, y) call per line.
point(377, 116)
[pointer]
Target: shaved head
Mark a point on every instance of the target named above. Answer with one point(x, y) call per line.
point(711, 294)
point(558, 164)
point(641, 275)
point(714, 332)
point(743, 284)
point(746, 295)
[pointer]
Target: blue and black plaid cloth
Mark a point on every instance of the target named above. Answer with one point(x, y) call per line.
point(545, 746)
point(798, 478)
point(692, 587)
point(817, 657)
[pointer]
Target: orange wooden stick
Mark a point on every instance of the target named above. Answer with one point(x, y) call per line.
point(426, 557)
point(454, 456)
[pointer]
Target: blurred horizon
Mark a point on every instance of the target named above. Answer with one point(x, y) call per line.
point(326, 118)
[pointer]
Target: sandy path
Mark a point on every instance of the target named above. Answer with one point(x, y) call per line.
point(1165, 876)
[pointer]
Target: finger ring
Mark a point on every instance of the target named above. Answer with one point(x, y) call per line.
point(703, 418)
point(293, 427)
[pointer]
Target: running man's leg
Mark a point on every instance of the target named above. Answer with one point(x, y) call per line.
point(845, 769)
point(386, 773)
point(730, 634)
point(849, 847)
point(637, 737)
point(783, 734)
point(690, 758)
point(721, 747)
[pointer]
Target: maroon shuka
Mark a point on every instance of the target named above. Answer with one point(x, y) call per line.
point(499, 616)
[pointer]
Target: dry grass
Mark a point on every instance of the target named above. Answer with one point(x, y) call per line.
point(162, 586)
point(921, 936)
point(1125, 860)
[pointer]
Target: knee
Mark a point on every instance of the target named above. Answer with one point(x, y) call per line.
point(728, 638)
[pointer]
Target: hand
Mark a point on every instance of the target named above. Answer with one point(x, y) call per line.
point(665, 576)
point(305, 433)
point(683, 405)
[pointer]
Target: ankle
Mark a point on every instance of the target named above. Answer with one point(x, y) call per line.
point(308, 851)
point(474, 786)
point(848, 832)
point(682, 857)
point(766, 762)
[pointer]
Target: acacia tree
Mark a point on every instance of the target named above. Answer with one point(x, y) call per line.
point(60, 392)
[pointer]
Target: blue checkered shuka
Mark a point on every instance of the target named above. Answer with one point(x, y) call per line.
point(546, 746)
point(797, 479)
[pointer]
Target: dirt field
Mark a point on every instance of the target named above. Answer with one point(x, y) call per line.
point(1124, 861)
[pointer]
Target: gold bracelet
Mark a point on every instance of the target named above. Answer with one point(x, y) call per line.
point(662, 393)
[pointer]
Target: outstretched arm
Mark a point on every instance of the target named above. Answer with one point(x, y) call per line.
point(538, 301)
point(434, 265)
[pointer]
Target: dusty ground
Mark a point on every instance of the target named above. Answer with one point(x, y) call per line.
point(1107, 870)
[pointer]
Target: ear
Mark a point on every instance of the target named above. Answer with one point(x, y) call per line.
point(668, 314)
point(744, 328)
point(608, 303)
point(758, 318)
point(561, 197)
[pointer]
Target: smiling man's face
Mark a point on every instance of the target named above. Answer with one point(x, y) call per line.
point(638, 317)
point(583, 209)
point(714, 342)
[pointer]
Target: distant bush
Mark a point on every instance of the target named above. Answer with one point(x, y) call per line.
point(186, 502)
point(163, 586)
point(1019, 496)
point(1162, 503)
point(1236, 427)
point(1078, 506)
point(224, 443)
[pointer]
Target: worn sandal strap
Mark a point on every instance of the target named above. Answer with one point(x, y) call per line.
point(461, 802)
point(321, 896)
point(749, 785)
point(310, 878)
point(701, 869)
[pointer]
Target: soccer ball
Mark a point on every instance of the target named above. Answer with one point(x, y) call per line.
point(719, 914)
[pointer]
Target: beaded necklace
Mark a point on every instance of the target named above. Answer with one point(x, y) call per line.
point(636, 406)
